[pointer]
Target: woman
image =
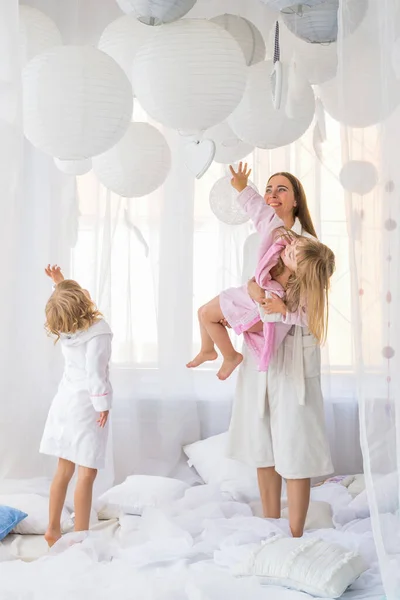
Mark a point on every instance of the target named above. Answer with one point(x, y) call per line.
point(278, 422)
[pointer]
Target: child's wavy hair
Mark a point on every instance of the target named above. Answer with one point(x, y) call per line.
point(308, 287)
point(69, 309)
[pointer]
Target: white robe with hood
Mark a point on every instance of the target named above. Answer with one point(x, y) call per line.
point(71, 431)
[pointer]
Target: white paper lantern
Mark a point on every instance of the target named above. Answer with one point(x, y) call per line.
point(190, 75)
point(361, 77)
point(73, 167)
point(246, 34)
point(37, 33)
point(228, 147)
point(359, 176)
point(319, 24)
point(258, 123)
point(77, 102)
point(122, 39)
point(137, 165)
point(318, 62)
point(156, 12)
point(281, 4)
point(224, 204)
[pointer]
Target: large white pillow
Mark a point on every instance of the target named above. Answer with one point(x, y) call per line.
point(37, 509)
point(138, 492)
point(309, 565)
point(209, 459)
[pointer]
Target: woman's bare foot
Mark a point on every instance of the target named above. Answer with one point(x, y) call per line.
point(52, 536)
point(201, 358)
point(229, 365)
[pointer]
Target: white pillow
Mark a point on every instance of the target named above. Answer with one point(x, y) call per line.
point(37, 509)
point(139, 492)
point(209, 459)
point(307, 565)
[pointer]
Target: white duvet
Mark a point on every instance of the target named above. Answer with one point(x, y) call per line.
point(185, 552)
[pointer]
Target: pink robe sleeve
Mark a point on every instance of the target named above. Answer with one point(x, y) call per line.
point(299, 317)
point(262, 215)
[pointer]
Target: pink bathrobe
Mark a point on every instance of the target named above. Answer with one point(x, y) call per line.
point(238, 308)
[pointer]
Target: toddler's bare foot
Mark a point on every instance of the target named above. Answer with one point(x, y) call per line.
point(229, 365)
point(52, 536)
point(201, 358)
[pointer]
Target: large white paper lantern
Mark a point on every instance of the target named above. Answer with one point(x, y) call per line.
point(224, 204)
point(73, 167)
point(190, 75)
point(37, 33)
point(258, 123)
point(77, 102)
point(156, 12)
point(362, 76)
point(281, 4)
point(122, 39)
point(359, 176)
point(228, 147)
point(319, 24)
point(246, 34)
point(137, 165)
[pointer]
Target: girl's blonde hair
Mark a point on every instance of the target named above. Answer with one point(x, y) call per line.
point(69, 309)
point(308, 288)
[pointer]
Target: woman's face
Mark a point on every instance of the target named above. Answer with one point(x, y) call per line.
point(279, 195)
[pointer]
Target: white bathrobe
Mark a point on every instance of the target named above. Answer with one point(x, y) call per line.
point(278, 416)
point(71, 431)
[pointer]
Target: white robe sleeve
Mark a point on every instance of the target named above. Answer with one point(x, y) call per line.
point(98, 354)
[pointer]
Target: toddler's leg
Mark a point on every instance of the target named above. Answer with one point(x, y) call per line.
point(83, 497)
point(207, 350)
point(58, 491)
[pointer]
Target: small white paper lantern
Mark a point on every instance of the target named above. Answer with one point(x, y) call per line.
point(156, 12)
point(190, 75)
point(37, 33)
point(228, 147)
point(224, 204)
point(258, 123)
point(246, 34)
point(359, 177)
point(281, 4)
point(73, 167)
point(122, 39)
point(319, 24)
point(137, 165)
point(77, 102)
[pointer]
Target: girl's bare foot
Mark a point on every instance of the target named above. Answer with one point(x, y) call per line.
point(52, 536)
point(229, 365)
point(201, 358)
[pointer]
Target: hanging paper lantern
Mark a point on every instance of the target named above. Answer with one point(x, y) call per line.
point(281, 4)
point(122, 39)
point(224, 204)
point(318, 24)
point(189, 76)
point(363, 75)
point(77, 102)
point(73, 167)
point(37, 33)
point(156, 12)
point(258, 123)
point(359, 177)
point(246, 34)
point(137, 165)
point(228, 147)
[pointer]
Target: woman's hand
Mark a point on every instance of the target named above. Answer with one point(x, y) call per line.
point(102, 420)
point(274, 305)
point(255, 292)
point(54, 272)
point(240, 178)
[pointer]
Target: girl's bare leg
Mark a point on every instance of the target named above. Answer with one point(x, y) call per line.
point(58, 491)
point(270, 485)
point(83, 497)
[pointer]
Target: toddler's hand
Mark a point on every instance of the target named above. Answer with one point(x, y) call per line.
point(240, 178)
point(102, 420)
point(54, 272)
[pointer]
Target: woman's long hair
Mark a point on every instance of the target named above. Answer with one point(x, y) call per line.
point(301, 209)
